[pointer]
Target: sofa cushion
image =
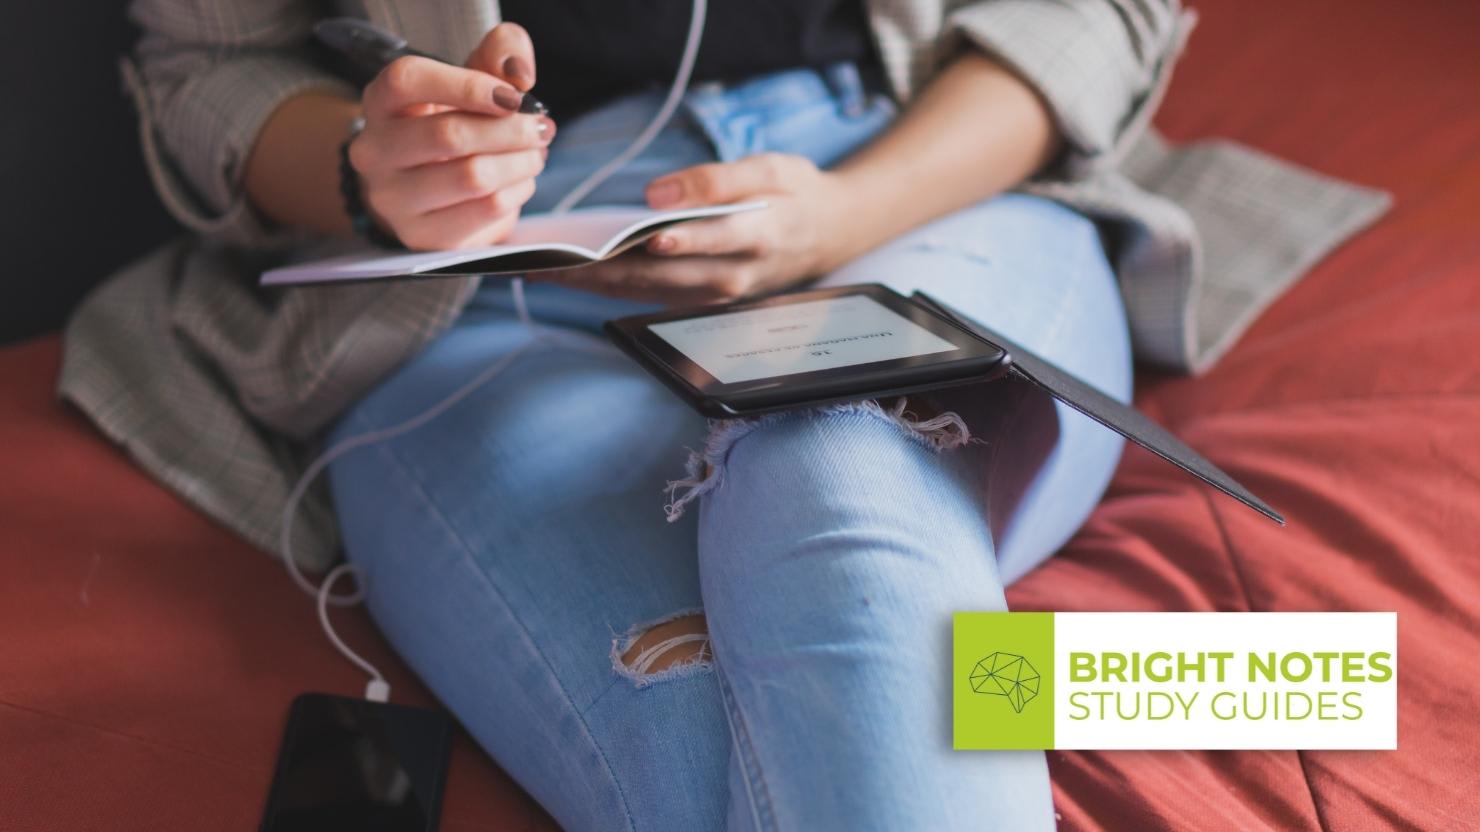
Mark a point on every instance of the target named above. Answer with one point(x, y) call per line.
point(1353, 406)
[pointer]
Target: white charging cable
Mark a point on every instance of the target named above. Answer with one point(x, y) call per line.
point(377, 689)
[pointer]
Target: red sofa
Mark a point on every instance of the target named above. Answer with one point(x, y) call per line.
point(147, 657)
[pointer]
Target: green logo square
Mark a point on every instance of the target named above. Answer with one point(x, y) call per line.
point(1002, 680)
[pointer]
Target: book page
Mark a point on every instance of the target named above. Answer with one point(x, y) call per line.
point(603, 228)
point(538, 241)
point(589, 228)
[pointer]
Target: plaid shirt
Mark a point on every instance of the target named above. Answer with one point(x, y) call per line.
point(220, 389)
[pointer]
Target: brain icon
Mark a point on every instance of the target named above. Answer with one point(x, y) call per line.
point(1006, 674)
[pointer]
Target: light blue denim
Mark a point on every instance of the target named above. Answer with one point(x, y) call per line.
point(515, 545)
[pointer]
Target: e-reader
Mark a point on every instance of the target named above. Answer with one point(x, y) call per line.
point(802, 349)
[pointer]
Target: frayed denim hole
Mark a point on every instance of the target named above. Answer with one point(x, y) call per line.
point(639, 670)
point(705, 469)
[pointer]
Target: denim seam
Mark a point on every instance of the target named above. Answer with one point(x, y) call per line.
point(600, 696)
point(762, 806)
point(465, 549)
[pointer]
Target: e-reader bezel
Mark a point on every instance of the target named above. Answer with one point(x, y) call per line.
point(972, 360)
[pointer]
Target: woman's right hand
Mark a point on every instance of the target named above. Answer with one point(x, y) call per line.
point(445, 160)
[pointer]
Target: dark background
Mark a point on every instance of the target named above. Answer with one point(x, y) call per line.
point(75, 200)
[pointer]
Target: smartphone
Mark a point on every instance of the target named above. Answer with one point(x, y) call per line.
point(356, 764)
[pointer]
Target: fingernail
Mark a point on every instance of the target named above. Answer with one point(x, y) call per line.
point(546, 130)
point(507, 97)
point(532, 106)
point(517, 72)
point(663, 242)
point(664, 193)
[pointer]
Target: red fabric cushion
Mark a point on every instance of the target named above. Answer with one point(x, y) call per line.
point(149, 657)
point(1353, 406)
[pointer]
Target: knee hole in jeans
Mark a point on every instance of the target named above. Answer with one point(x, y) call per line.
point(939, 430)
point(671, 646)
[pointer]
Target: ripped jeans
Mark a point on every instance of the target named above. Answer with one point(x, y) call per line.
point(516, 548)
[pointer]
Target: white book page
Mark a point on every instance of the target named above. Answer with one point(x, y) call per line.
point(590, 229)
point(590, 233)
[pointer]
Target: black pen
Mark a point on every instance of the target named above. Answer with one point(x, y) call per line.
point(369, 48)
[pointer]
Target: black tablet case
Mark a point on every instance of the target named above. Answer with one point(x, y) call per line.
point(1121, 418)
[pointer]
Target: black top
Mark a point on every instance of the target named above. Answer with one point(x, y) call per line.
point(591, 50)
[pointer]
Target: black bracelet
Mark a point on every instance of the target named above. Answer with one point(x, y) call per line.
point(354, 201)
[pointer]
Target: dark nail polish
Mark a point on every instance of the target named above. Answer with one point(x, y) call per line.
point(533, 106)
point(508, 98)
point(517, 72)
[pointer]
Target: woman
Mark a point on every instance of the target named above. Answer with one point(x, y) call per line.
point(769, 653)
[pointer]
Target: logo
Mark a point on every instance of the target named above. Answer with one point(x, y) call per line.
point(1129, 680)
point(1003, 698)
point(1009, 675)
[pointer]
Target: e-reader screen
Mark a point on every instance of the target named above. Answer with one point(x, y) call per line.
point(784, 339)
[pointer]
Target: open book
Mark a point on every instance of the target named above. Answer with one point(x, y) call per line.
point(540, 241)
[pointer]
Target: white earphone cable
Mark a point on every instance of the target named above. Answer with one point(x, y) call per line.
point(378, 689)
point(654, 127)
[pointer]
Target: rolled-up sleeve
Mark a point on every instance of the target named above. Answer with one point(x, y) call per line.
point(1100, 65)
point(205, 77)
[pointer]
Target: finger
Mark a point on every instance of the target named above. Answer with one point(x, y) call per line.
point(444, 184)
point(404, 143)
point(477, 222)
point(412, 80)
point(736, 234)
point(507, 52)
point(721, 182)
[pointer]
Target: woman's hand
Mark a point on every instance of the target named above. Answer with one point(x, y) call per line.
point(445, 161)
point(800, 234)
point(975, 130)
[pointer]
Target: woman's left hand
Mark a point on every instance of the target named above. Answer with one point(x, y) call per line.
point(800, 234)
